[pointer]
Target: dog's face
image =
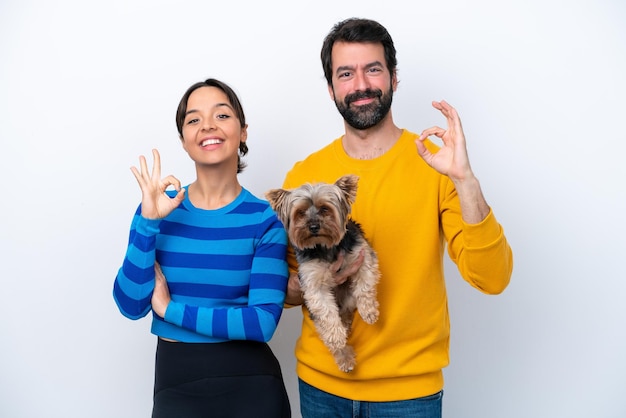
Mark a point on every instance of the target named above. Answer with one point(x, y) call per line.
point(315, 214)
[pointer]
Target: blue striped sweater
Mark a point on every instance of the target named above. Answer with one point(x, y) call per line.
point(226, 271)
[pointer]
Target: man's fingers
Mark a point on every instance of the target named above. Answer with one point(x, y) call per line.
point(357, 263)
point(336, 266)
point(449, 112)
point(435, 130)
point(341, 275)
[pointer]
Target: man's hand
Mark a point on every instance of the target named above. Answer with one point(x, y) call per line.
point(452, 159)
point(341, 275)
point(294, 292)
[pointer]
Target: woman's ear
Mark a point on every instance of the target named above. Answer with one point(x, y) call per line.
point(244, 133)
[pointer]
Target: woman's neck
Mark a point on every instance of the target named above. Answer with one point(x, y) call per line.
point(213, 192)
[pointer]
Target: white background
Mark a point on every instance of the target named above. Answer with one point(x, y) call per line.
point(88, 86)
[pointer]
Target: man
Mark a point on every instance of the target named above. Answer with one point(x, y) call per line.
point(414, 200)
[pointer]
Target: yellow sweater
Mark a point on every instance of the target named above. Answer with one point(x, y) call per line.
point(409, 212)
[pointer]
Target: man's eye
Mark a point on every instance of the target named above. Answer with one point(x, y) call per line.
point(344, 74)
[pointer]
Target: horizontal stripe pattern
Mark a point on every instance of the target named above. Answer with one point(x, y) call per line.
point(226, 271)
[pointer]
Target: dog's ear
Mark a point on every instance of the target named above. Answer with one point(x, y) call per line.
point(278, 201)
point(348, 185)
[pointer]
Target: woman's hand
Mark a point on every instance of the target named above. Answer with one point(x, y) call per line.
point(161, 295)
point(155, 203)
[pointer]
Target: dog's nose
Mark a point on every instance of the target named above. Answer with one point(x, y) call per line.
point(314, 228)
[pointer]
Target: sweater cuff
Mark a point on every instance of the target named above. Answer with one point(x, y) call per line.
point(147, 227)
point(174, 313)
point(484, 233)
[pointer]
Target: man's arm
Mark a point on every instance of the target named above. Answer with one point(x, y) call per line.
point(474, 207)
point(452, 160)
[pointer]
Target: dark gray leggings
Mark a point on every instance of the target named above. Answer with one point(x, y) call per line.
point(231, 379)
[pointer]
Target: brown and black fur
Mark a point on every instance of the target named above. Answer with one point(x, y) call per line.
point(318, 223)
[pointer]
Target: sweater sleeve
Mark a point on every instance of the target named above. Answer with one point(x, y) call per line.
point(134, 283)
point(257, 320)
point(480, 251)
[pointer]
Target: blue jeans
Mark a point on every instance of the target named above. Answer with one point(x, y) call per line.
point(315, 403)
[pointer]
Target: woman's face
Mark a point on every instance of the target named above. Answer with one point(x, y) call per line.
point(211, 130)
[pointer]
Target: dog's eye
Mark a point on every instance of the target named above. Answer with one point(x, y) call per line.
point(324, 210)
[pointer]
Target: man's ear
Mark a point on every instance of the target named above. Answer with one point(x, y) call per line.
point(331, 92)
point(394, 80)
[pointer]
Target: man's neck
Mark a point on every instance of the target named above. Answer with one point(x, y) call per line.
point(371, 143)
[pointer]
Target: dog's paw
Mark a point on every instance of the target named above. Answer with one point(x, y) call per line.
point(370, 316)
point(332, 333)
point(346, 359)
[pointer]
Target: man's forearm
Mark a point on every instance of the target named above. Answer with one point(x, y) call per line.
point(474, 207)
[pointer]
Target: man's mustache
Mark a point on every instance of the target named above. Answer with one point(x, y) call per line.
point(367, 94)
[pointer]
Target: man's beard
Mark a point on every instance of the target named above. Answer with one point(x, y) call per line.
point(365, 116)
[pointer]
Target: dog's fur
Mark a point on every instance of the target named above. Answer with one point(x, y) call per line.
point(318, 223)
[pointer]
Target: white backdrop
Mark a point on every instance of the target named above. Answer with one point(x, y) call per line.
point(87, 86)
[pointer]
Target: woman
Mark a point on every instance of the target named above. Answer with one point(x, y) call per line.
point(223, 252)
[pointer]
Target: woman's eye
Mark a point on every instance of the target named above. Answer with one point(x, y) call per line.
point(192, 121)
point(223, 116)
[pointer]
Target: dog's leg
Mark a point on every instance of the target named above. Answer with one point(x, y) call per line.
point(316, 283)
point(347, 304)
point(364, 290)
point(345, 358)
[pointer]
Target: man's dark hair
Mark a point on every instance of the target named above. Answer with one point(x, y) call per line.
point(361, 31)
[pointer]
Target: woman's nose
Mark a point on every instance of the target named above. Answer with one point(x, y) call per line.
point(208, 124)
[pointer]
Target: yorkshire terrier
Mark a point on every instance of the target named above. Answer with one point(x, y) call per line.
point(318, 223)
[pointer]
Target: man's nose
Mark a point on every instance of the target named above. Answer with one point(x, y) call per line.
point(361, 82)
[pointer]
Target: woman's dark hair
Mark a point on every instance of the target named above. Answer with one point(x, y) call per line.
point(361, 31)
point(232, 99)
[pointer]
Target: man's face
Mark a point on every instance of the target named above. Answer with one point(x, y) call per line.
point(362, 87)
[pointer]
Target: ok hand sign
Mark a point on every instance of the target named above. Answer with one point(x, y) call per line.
point(155, 203)
point(451, 159)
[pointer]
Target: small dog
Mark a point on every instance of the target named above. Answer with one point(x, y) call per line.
point(316, 217)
